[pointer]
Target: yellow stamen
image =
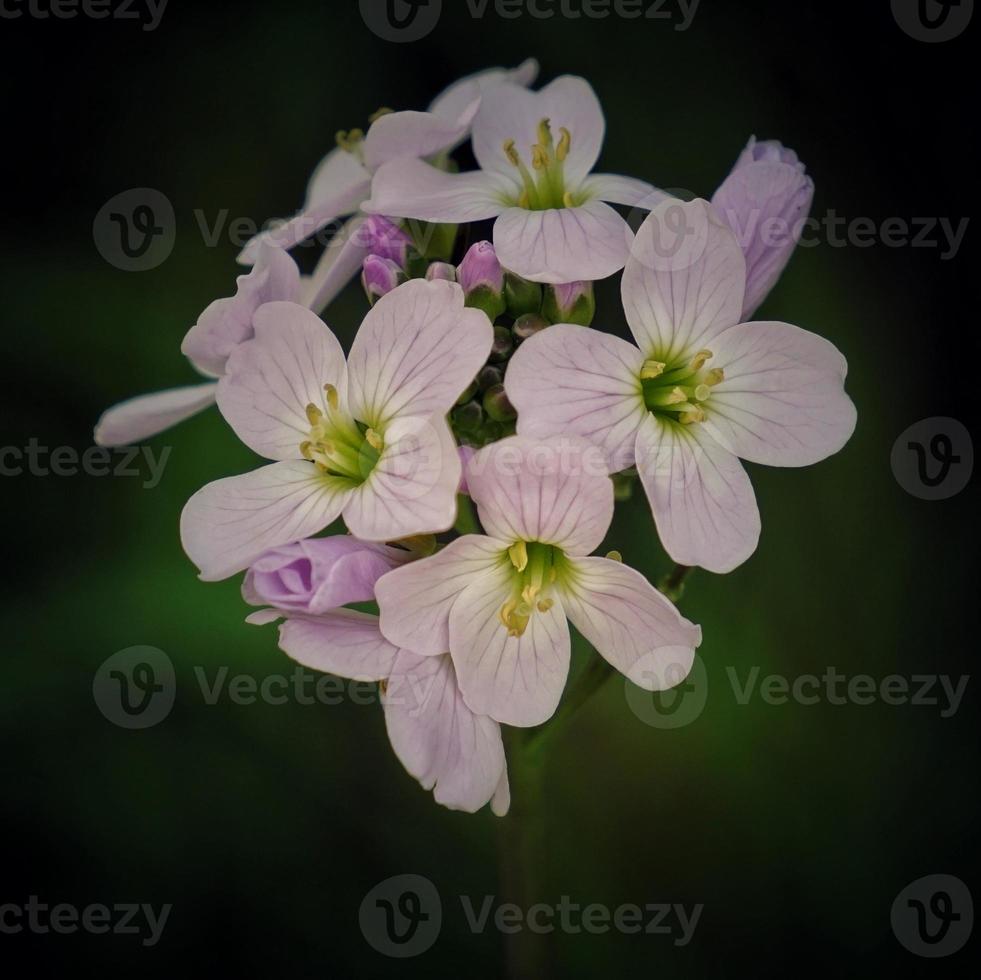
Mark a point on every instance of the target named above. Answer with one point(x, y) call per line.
point(675, 397)
point(332, 398)
point(545, 605)
point(529, 593)
point(518, 553)
point(539, 158)
point(699, 359)
point(545, 133)
point(523, 200)
point(511, 153)
point(702, 392)
point(374, 440)
point(314, 415)
point(652, 369)
point(614, 556)
point(695, 414)
point(568, 200)
point(565, 141)
point(378, 113)
point(715, 376)
point(305, 450)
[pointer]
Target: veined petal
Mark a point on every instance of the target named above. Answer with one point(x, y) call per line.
point(556, 491)
point(412, 488)
point(416, 351)
point(414, 189)
point(703, 503)
point(440, 741)
point(139, 418)
point(337, 266)
point(416, 134)
point(618, 189)
point(782, 401)
point(271, 379)
point(629, 622)
point(342, 642)
point(575, 380)
point(684, 281)
point(226, 525)
point(415, 602)
point(517, 680)
point(508, 112)
point(563, 244)
point(456, 98)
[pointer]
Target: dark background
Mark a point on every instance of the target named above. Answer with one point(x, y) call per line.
point(265, 825)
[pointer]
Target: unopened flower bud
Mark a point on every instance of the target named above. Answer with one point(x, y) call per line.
point(570, 302)
point(470, 391)
point(386, 240)
point(441, 270)
point(521, 295)
point(528, 325)
point(502, 346)
point(467, 418)
point(380, 276)
point(482, 279)
point(489, 376)
point(498, 406)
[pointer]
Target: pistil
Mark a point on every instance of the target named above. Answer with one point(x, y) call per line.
point(680, 391)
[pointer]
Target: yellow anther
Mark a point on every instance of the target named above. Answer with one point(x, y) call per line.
point(694, 414)
point(702, 392)
point(675, 397)
point(699, 359)
point(715, 376)
point(539, 157)
point(378, 113)
point(511, 153)
point(306, 450)
point(545, 133)
point(514, 617)
point(524, 200)
point(314, 415)
point(529, 593)
point(568, 200)
point(518, 553)
point(374, 440)
point(331, 393)
point(565, 141)
point(545, 604)
point(614, 556)
point(652, 369)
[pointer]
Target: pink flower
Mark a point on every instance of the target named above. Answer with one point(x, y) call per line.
point(699, 391)
point(367, 439)
point(536, 151)
point(499, 601)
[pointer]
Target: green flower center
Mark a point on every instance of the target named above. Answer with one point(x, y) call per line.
point(543, 186)
point(680, 391)
point(338, 445)
point(536, 569)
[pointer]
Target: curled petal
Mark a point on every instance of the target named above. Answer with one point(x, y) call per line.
point(342, 642)
point(139, 418)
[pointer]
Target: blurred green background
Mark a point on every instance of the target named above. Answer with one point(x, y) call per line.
point(265, 825)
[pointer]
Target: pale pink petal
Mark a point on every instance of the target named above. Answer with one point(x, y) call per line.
point(509, 112)
point(575, 380)
point(617, 189)
point(684, 280)
point(416, 351)
point(501, 800)
point(703, 503)
point(226, 525)
point(271, 379)
point(628, 621)
point(139, 418)
point(556, 491)
point(342, 642)
point(563, 244)
point(415, 602)
point(412, 488)
point(415, 134)
point(456, 98)
point(337, 266)
point(440, 741)
point(414, 189)
point(782, 401)
point(517, 680)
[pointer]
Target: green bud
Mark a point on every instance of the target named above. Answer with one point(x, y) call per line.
point(489, 376)
point(527, 325)
point(484, 298)
point(497, 405)
point(570, 302)
point(521, 295)
point(469, 393)
point(468, 417)
point(502, 346)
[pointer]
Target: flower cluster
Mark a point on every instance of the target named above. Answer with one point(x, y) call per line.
point(476, 436)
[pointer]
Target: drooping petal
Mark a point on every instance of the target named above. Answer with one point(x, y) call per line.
point(415, 602)
point(617, 189)
point(226, 525)
point(139, 418)
point(412, 488)
point(509, 112)
point(271, 379)
point(416, 351)
point(563, 244)
point(570, 379)
point(440, 741)
point(414, 189)
point(415, 134)
point(342, 642)
point(456, 98)
point(684, 281)
point(703, 503)
point(517, 680)
point(556, 491)
point(337, 266)
point(628, 621)
point(782, 401)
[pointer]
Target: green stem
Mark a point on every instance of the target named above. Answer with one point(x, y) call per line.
point(466, 516)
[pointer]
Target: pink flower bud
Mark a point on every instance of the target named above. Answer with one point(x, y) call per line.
point(380, 276)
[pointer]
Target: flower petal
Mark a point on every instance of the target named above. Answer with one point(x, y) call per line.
point(509, 112)
point(618, 189)
point(416, 351)
point(703, 503)
point(415, 602)
point(440, 741)
point(575, 380)
point(556, 491)
point(414, 189)
point(684, 280)
point(343, 642)
point(226, 525)
point(270, 380)
point(782, 401)
point(144, 416)
point(517, 680)
point(563, 244)
point(456, 98)
point(337, 266)
point(412, 488)
point(627, 620)
point(416, 134)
